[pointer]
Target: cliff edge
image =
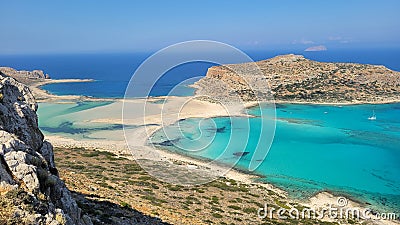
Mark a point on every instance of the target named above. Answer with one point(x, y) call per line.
point(31, 191)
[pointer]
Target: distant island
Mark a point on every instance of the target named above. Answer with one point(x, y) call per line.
point(316, 48)
point(293, 78)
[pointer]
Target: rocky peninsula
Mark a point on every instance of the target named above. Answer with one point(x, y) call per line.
point(293, 78)
point(37, 78)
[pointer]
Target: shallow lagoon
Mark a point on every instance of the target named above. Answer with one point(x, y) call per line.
point(74, 120)
point(316, 148)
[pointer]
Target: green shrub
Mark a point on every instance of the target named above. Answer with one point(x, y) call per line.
point(235, 207)
point(125, 205)
point(217, 215)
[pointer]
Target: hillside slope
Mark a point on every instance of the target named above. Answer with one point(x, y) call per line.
point(294, 78)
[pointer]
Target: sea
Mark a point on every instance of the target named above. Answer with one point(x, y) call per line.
point(316, 147)
point(113, 71)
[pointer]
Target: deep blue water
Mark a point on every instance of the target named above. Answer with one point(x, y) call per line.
point(112, 72)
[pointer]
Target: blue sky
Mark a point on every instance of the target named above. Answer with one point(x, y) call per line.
point(125, 26)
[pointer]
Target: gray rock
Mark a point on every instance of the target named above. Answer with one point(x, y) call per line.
point(27, 162)
point(86, 220)
point(18, 112)
point(18, 161)
point(47, 152)
point(6, 181)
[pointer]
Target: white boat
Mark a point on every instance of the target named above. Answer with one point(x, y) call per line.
point(373, 117)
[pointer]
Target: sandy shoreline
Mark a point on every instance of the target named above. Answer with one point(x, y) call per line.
point(44, 96)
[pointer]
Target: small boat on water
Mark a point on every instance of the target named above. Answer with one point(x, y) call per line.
point(373, 117)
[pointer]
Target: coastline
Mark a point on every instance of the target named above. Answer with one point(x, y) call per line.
point(42, 95)
point(195, 108)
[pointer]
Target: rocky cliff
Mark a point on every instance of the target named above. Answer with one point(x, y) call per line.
point(31, 191)
point(295, 78)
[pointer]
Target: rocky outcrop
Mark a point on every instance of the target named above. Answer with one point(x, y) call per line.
point(294, 78)
point(34, 74)
point(30, 190)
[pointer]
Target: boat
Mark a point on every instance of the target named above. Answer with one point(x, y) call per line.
point(373, 117)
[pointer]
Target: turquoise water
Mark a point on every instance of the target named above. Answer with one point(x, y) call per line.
point(68, 120)
point(316, 148)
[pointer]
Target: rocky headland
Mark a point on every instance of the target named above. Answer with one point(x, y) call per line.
point(293, 78)
point(37, 78)
point(25, 76)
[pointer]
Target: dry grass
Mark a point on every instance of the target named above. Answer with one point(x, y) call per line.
point(105, 177)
